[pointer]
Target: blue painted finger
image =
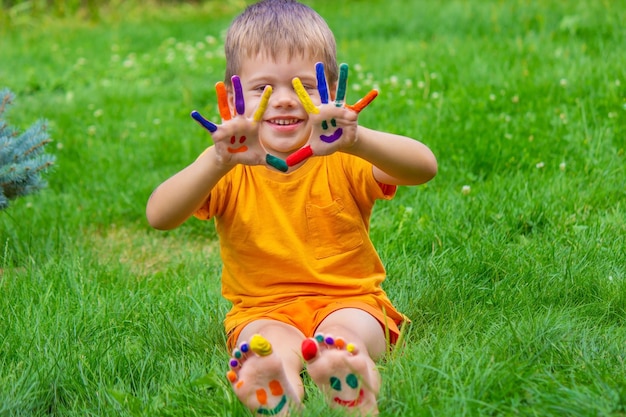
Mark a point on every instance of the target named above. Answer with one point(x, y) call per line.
point(322, 85)
point(240, 105)
point(211, 127)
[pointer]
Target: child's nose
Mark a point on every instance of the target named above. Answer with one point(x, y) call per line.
point(284, 97)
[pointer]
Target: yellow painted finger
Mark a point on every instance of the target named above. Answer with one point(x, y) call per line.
point(222, 101)
point(265, 98)
point(304, 97)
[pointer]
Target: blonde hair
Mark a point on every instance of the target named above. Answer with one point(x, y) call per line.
point(275, 27)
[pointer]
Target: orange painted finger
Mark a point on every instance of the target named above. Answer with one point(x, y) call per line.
point(364, 102)
point(222, 101)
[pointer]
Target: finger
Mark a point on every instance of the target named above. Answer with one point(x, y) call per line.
point(222, 101)
point(364, 102)
point(276, 162)
point(341, 86)
point(265, 98)
point(304, 97)
point(299, 155)
point(240, 105)
point(211, 127)
point(322, 85)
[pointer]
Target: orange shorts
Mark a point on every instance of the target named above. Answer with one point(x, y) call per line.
point(307, 314)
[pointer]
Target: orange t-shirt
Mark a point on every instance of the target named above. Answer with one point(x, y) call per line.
point(287, 237)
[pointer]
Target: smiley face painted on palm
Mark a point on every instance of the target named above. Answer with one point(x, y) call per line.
point(328, 127)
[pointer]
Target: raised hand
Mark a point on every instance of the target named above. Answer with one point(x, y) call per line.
point(334, 124)
point(236, 139)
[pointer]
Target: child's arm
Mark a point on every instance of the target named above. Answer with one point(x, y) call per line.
point(176, 199)
point(397, 160)
point(236, 142)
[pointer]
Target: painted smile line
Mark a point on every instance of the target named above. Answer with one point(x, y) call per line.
point(352, 403)
point(237, 150)
point(275, 410)
point(333, 137)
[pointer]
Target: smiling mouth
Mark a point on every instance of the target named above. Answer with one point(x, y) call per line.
point(333, 137)
point(284, 122)
point(352, 403)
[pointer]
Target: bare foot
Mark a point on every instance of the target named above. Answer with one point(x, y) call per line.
point(347, 376)
point(259, 380)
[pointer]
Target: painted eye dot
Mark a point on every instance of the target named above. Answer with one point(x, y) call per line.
point(335, 383)
point(242, 139)
point(233, 140)
point(352, 381)
point(333, 122)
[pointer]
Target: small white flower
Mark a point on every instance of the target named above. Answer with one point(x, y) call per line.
point(421, 85)
point(562, 166)
point(91, 130)
point(618, 83)
point(466, 189)
point(563, 82)
point(540, 165)
point(98, 113)
point(492, 97)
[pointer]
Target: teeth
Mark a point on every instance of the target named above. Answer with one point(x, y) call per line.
point(285, 122)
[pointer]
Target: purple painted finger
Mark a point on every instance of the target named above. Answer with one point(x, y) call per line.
point(211, 127)
point(240, 105)
point(322, 85)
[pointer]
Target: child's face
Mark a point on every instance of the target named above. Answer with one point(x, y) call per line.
point(285, 126)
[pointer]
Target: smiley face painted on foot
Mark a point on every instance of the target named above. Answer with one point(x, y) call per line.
point(276, 390)
point(353, 383)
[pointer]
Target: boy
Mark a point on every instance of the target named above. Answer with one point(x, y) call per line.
point(298, 266)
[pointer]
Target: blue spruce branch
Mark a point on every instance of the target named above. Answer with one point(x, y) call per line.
point(22, 156)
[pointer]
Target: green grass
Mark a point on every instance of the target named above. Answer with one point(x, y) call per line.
point(516, 289)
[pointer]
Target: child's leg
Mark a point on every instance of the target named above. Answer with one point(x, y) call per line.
point(340, 359)
point(266, 366)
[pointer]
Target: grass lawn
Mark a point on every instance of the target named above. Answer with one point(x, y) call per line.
point(511, 262)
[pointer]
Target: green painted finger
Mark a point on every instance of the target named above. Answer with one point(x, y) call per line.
point(342, 85)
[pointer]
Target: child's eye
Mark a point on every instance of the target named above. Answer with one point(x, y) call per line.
point(261, 88)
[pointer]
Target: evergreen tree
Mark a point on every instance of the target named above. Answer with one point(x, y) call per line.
point(22, 157)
